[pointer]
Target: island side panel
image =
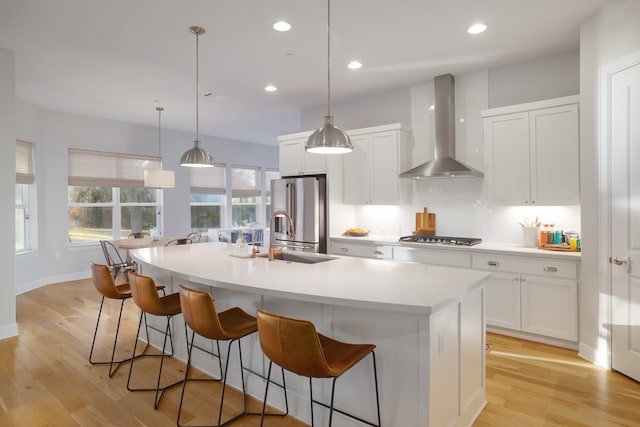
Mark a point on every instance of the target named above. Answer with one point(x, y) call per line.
point(472, 356)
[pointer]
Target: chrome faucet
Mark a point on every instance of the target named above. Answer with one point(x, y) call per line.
point(272, 222)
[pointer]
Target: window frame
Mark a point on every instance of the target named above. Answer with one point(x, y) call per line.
point(116, 171)
point(26, 180)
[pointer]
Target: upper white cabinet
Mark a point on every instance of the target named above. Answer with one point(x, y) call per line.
point(532, 152)
point(294, 160)
point(371, 170)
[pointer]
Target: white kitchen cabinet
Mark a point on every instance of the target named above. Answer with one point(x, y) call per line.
point(534, 296)
point(532, 152)
point(503, 301)
point(294, 160)
point(363, 250)
point(371, 170)
point(432, 256)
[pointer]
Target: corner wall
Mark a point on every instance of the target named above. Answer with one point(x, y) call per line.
point(8, 325)
point(610, 34)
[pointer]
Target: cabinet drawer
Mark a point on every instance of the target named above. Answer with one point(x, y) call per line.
point(360, 250)
point(425, 256)
point(521, 265)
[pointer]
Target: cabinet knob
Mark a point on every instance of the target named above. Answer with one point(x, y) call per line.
point(551, 269)
point(344, 250)
point(377, 252)
point(493, 263)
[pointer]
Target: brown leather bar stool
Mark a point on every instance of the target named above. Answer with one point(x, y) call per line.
point(296, 346)
point(106, 286)
point(145, 295)
point(200, 314)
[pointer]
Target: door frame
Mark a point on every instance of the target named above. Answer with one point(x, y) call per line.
point(604, 357)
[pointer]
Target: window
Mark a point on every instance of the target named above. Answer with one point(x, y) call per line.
point(106, 195)
point(208, 197)
point(245, 191)
point(25, 197)
point(270, 175)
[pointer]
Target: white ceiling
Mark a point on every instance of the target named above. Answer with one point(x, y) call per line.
point(116, 58)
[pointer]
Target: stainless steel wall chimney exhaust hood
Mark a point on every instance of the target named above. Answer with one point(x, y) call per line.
point(444, 164)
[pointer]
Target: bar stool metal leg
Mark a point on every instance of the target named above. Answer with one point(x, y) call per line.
point(159, 390)
point(266, 391)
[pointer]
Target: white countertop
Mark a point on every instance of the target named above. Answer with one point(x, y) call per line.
point(347, 281)
point(484, 247)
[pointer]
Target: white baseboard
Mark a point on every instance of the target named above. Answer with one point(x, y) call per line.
point(29, 286)
point(534, 337)
point(600, 358)
point(8, 331)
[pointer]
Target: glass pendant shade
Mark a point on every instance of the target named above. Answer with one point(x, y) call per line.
point(197, 157)
point(158, 178)
point(329, 140)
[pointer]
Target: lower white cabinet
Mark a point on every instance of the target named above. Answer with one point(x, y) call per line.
point(537, 296)
point(503, 301)
point(534, 296)
point(433, 256)
point(363, 250)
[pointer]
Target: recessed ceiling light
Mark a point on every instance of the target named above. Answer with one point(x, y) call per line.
point(477, 28)
point(354, 65)
point(282, 26)
point(270, 88)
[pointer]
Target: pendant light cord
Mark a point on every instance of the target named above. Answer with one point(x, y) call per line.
point(328, 57)
point(160, 109)
point(197, 88)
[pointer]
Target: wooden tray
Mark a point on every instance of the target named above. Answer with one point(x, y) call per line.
point(558, 249)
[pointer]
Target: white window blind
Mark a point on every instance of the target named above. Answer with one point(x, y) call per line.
point(24, 163)
point(245, 181)
point(209, 180)
point(102, 169)
point(270, 175)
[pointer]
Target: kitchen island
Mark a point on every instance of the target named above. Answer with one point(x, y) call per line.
point(426, 321)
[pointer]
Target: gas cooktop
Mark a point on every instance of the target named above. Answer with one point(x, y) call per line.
point(458, 241)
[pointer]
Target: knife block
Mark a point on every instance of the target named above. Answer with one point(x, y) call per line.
point(425, 223)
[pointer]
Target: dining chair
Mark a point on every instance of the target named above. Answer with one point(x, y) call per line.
point(195, 236)
point(106, 286)
point(179, 241)
point(201, 315)
point(114, 260)
point(297, 347)
point(145, 295)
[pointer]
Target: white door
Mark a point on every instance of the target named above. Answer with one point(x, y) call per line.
point(624, 119)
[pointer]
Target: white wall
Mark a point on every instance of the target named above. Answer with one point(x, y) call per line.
point(543, 78)
point(53, 132)
point(8, 325)
point(610, 34)
point(461, 205)
point(373, 109)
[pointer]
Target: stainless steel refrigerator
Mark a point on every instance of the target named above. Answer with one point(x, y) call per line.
point(304, 198)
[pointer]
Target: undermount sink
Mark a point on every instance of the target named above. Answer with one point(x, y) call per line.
point(301, 257)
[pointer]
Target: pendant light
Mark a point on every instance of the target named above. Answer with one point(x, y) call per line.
point(159, 178)
point(329, 139)
point(197, 157)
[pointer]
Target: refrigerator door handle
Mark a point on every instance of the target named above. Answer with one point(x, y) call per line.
point(291, 203)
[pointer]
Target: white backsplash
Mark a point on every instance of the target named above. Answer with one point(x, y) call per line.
point(462, 210)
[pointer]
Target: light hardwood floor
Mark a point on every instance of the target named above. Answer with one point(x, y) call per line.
point(46, 379)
